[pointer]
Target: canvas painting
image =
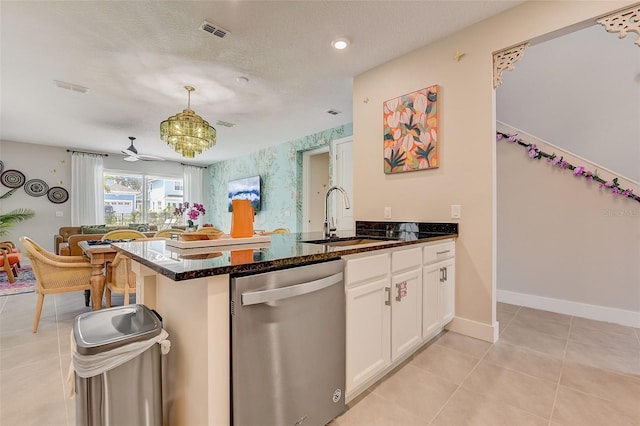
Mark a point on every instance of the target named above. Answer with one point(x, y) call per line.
point(411, 131)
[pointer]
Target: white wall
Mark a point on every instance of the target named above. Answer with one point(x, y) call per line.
point(581, 92)
point(467, 127)
point(564, 244)
point(52, 165)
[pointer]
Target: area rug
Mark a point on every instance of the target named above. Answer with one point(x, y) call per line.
point(25, 282)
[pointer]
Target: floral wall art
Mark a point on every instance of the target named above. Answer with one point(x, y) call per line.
point(411, 131)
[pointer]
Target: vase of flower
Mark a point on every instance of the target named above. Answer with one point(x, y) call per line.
point(191, 212)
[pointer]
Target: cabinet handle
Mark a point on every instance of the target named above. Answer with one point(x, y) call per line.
point(441, 275)
point(399, 292)
point(443, 252)
point(445, 273)
point(388, 291)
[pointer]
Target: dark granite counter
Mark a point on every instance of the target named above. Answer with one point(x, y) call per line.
point(284, 250)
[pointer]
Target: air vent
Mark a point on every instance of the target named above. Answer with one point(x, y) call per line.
point(224, 123)
point(214, 29)
point(333, 112)
point(70, 86)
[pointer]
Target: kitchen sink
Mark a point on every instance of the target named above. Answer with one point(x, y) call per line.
point(348, 241)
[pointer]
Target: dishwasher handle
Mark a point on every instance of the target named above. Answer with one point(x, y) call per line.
point(265, 296)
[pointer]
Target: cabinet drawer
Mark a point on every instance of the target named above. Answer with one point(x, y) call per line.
point(438, 252)
point(365, 268)
point(405, 259)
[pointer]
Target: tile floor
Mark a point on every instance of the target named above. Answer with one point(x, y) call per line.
point(547, 369)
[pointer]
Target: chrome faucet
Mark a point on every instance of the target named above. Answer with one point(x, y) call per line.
point(326, 227)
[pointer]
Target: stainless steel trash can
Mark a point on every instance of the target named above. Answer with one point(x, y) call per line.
point(128, 394)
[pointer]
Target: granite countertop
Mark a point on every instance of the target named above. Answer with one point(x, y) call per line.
point(284, 250)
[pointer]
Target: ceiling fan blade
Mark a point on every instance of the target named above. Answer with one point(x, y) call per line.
point(149, 158)
point(131, 158)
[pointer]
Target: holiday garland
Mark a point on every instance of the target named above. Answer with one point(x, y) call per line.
point(578, 171)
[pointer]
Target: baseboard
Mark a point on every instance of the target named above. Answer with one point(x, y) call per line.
point(567, 307)
point(479, 330)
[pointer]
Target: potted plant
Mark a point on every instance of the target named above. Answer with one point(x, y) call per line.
point(18, 215)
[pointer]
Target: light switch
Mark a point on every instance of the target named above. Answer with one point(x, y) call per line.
point(387, 212)
point(455, 211)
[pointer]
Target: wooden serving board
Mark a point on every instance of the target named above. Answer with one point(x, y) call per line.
point(223, 241)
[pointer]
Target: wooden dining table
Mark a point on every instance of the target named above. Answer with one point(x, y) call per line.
point(99, 255)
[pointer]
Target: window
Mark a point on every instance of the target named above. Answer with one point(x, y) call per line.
point(130, 198)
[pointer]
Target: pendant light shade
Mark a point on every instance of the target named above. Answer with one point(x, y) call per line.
point(186, 132)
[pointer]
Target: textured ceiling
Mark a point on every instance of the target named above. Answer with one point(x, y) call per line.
point(136, 56)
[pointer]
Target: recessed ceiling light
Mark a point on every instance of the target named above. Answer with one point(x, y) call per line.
point(340, 43)
point(242, 80)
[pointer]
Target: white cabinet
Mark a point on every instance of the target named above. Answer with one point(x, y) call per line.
point(368, 330)
point(384, 313)
point(406, 302)
point(438, 293)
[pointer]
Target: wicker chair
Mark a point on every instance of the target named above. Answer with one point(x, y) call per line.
point(54, 274)
point(14, 249)
point(280, 231)
point(166, 233)
point(120, 279)
point(121, 234)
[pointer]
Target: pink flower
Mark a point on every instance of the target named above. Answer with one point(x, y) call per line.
point(578, 171)
point(615, 191)
point(609, 184)
point(512, 138)
point(499, 136)
point(589, 175)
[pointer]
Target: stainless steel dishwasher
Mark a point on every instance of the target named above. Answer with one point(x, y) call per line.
point(288, 346)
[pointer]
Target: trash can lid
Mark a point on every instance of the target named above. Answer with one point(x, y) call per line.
point(107, 329)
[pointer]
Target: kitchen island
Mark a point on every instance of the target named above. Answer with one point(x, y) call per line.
point(190, 290)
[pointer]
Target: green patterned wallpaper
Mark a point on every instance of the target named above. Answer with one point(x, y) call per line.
point(280, 168)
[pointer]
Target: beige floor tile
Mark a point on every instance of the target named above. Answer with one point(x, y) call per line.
point(28, 352)
point(609, 327)
point(543, 325)
point(524, 360)
point(373, 410)
point(602, 383)
point(468, 408)
point(579, 409)
point(33, 395)
point(504, 319)
point(517, 389)
point(419, 392)
point(541, 342)
point(604, 357)
point(506, 308)
point(540, 314)
point(447, 363)
point(468, 345)
point(614, 340)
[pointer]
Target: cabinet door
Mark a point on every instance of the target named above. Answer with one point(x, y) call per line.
point(368, 332)
point(406, 312)
point(448, 292)
point(431, 276)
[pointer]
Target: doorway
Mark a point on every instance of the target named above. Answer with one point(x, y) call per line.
point(322, 168)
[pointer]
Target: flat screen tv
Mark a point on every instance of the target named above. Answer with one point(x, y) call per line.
point(245, 189)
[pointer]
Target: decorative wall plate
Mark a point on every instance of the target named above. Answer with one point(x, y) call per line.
point(36, 187)
point(1, 166)
point(57, 195)
point(12, 179)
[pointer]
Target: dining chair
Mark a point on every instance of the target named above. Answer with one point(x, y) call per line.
point(166, 233)
point(13, 249)
point(53, 275)
point(121, 234)
point(280, 231)
point(120, 278)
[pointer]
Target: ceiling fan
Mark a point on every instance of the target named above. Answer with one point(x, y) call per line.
point(132, 154)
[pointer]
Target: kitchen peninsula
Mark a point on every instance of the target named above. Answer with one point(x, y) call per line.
point(191, 291)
